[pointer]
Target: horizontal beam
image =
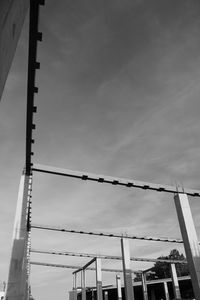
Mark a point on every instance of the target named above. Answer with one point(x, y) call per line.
point(112, 257)
point(105, 234)
point(114, 180)
point(76, 267)
point(86, 265)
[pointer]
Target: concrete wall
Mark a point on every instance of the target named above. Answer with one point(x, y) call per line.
point(12, 15)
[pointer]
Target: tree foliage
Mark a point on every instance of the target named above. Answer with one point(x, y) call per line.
point(162, 269)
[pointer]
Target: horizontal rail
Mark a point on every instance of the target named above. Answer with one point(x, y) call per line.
point(89, 255)
point(114, 180)
point(105, 234)
point(77, 267)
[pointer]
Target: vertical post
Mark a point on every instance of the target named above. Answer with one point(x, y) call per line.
point(119, 288)
point(17, 286)
point(144, 286)
point(106, 295)
point(128, 286)
point(177, 294)
point(74, 286)
point(99, 279)
point(190, 240)
point(83, 285)
point(166, 290)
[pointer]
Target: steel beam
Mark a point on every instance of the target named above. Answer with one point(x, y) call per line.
point(119, 288)
point(37, 263)
point(190, 240)
point(33, 65)
point(110, 235)
point(128, 284)
point(112, 180)
point(144, 286)
point(17, 286)
point(99, 279)
point(166, 291)
point(175, 284)
point(103, 256)
point(74, 286)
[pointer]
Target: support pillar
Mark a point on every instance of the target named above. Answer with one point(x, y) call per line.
point(17, 286)
point(75, 286)
point(106, 295)
point(99, 279)
point(166, 290)
point(175, 284)
point(128, 285)
point(83, 285)
point(119, 287)
point(190, 240)
point(144, 286)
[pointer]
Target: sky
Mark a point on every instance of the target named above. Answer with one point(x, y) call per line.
point(118, 95)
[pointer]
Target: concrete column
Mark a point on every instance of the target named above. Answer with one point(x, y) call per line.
point(106, 295)
point(144, 286)
point(190, 240)
point(75, 286)
point(166, 290)
point(17, 277)
point(83, 285)
point(119, 287)
point(99, 279)
point(128, 285)
point(177, 294)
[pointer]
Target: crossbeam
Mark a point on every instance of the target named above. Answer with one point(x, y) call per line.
point(112, 257)
point(77, 267)
point(114, 180)
point(106, 234)
point(85, 266)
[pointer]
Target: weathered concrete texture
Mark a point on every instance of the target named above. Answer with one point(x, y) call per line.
point(12, 15)
point(17, 285)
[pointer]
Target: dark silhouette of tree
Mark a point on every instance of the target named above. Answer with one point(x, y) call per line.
point(162, 269)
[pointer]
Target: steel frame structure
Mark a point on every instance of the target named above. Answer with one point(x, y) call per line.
point(18, 286)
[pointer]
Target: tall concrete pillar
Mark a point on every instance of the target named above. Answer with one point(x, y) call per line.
point(175, 284)
point(128, 285)
point(99, 279)
point(119, 287)
point(17, 286)
point(166, 290)
point(190, 240)
point(144, 286)
point(83, 285)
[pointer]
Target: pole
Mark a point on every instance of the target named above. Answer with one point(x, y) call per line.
point(99, 279)
point(177, 294)
point(83, 285)
point(144, 286)
point(190, 240)
point(166, 290)
point(128, 287)
point(119, 288)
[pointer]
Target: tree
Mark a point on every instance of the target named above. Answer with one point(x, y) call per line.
point(162, 269)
